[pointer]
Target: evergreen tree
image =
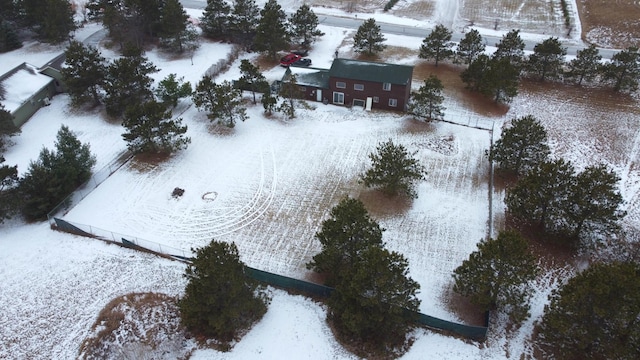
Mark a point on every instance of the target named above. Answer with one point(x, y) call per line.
point(501, 80)
point(368, 38)
point(150, 129)
point(9, 198)
point(243, 20)
point(498, 275)
point(269, 102)
point(7, 127)
point(511, 47)
point(128, 21)
point(595, 315)
point(84, 73)
point(172, 25)
point(493, 77)
point(547, 59)
point(55, 174)
point(470, 47)
point(56, 21)
point(623, 71)
point(540, 197)
point(252, 79)
point(427, 101)
point(394, 170)
point(304, 26)
point(521, 147)
point(594, 202)
point(370, 302)
point(290, 93)
point(215, 19)
point(271, 32)
point(344, 237)
point(8, 37)
point(437, 45)
point(128, 83)
point(222, 102)
point(586, 65)
point(474, 75)
point(171, 89)
point(220, 300)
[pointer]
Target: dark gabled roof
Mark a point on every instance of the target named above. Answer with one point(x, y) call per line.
point(371, 71)
point(319, 79)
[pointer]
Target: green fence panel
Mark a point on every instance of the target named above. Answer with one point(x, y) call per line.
point(66, 227)
point(288, 283)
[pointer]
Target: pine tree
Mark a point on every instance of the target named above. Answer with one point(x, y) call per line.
point(394, 170)
point(56, 21)
point(494, 77)
point(375, 302)
point(290, 93)
point(594, 315)
point(501, 80)
point(344, 237)
point(540, 197)
point(219, 300)
point(55, 174)
point(7, 127)
point(594, 203)
point(586, 65)
point(150, 129)
point(470, 47)
point(243, 20)
point(623, 71)
point(427, 101)
point(271, 32)
point(128, 83)
point(84, 73)
point(511, 47)
point(474, 75)
point(172, 25)
point(521, 147)
point(252, 79)
point(368, 38)
point(9, 199)
point(498, 274)
point(304, 26)
point(437, 45)
point(215, 19)
point(8, 37)
point(172, 89)
point(222, 102)
point(269, 102)
point(547, 59)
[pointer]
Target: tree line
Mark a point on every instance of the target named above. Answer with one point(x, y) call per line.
point(498, 75)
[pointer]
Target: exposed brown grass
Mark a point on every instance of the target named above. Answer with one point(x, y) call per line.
point(610, 22)
point(381, 205)
point(449, 75)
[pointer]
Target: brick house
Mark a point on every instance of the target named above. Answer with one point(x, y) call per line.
point(370, 85)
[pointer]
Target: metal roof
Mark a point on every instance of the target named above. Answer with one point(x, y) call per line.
point(371, 71)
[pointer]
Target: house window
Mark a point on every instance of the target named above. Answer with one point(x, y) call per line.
point(302, 89)
point(341, 84)
point(338, 98)
point(358, 102)
point(376, 99)
point(393, 102)
point(358, 87)
point(386, 86)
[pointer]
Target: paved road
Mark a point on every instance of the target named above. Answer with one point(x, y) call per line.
point(420, 32)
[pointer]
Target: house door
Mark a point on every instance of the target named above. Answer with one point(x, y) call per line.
point(368, 106)
point(319, 95)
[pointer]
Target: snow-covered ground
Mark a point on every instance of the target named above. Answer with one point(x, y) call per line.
point(267, 185)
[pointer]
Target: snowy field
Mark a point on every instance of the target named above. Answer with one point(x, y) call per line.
point(267, 185)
